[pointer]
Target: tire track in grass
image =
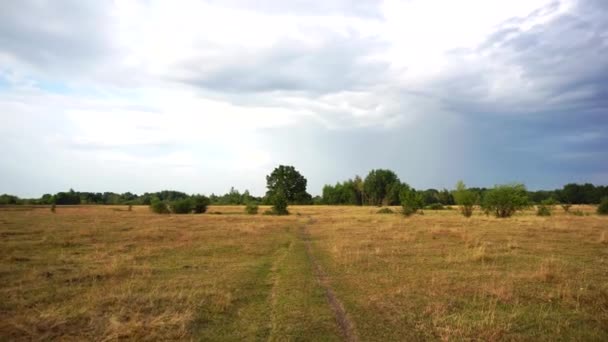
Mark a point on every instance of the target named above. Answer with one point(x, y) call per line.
point(346, 325)
point(276, 282)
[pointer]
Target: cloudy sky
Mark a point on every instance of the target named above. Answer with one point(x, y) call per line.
point(199, 96)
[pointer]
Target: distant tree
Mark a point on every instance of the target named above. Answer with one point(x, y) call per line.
point(199, 204)
point(382, 187)
point(159, 207)
point(411, 201)
point(182, 206)
point(445, 197)
point(465, 198)
point(67, 198)
point(505, 200)
point(9, 199)
point(289, 183)
point(602, 209)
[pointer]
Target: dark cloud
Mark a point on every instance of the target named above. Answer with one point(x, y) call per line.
point(54, 35)
point(335, 63)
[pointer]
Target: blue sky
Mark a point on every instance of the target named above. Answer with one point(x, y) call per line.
point(199, 96)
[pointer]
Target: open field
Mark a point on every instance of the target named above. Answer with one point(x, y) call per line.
point(322, 273)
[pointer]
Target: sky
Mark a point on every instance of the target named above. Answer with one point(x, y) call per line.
point(200, 96)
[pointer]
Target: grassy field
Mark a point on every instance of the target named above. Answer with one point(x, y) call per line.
point(322, 273)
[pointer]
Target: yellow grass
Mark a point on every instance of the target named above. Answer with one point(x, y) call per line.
point(104, 273)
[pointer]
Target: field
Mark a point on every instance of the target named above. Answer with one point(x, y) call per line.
point(323, 273)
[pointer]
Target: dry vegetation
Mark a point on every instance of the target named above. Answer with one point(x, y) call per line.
point(106, 273)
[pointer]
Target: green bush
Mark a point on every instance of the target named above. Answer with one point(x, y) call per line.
point(385, 211)
point(465, 198)
point(435, 206)
point(602, 209)
point(251, 208)
point(566, 207)
point(159, 207)
point(505, 200)
point(411, 201)
point(279, 202)
point(183, 206)
point(577, 213)
point(543, 210)
point(199, 204)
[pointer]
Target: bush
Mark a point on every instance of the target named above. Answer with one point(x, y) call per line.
point(411, 201)
point(602, 209)
point(435, 206)
point(505, 200)
point(465, 198)
point(385, 211)
point(199, 204)
point(159, 207)
point(251, 208)
point(578, 213)
point(279, 204)
point(184, 206)
point(543, 210)
point(566, 207)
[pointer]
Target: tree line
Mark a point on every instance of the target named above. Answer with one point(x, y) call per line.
point(379, 187)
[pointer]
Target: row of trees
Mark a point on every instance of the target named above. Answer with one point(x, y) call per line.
point(380, 187)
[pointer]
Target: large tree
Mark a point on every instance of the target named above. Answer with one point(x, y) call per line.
point(382, 187)
point(290, 183)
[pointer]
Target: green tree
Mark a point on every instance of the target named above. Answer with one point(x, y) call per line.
point(382, 187)
point(602, 209)
point(505, 200)
point(465, 198)
point(411, 200)
point(279, 203)
point(199, 204)
point(290, 183)
point(159, 207)
point(182, 206)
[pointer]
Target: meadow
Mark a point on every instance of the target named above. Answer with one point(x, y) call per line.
point(323, 273)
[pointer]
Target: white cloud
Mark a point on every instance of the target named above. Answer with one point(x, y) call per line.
point(204, 87)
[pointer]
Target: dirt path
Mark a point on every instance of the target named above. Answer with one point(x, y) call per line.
point(346, 325)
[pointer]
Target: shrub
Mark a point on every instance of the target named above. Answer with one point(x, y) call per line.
point(251, 208)
point(566, 207)
point(183, 206)
point(411, 201)
point(199, 204)
point(159, 207)
point(602, 209)
point(543, 210)
point(385, 211)
point(435, 206)
point(465, 198)
point(578, 213)
point(279, 206)
point(505, 200)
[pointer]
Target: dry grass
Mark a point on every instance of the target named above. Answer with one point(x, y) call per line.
point(101, 273)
